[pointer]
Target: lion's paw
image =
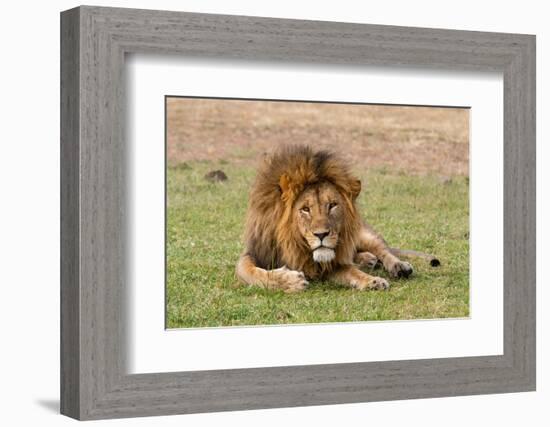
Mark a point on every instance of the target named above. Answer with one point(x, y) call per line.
point(379, 284)
point(366, 260)
point(400, 269)
point(374, 283)
point(291, 280)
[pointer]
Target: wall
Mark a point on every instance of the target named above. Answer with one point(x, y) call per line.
point(29, 226)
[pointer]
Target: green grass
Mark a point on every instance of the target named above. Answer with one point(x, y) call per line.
point(204, 228)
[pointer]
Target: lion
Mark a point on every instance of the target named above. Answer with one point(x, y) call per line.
point(303, 224)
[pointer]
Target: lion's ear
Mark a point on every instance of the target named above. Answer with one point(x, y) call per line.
point(288, 188)
point(355, 188)
point(284, 184)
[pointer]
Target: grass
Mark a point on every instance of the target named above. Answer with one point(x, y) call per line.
point(204, 227)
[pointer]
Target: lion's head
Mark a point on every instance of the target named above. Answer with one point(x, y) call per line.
point(318, 215)
point(302, 212)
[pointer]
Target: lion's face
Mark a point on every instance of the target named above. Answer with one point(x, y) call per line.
point(319, 215)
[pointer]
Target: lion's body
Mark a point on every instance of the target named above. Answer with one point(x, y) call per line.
point(302, 223)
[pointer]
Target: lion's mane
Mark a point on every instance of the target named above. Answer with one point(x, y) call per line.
point(271, 237)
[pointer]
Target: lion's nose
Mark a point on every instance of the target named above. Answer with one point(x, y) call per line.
point(322, 235)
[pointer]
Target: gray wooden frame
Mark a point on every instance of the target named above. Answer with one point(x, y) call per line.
point(94, 382)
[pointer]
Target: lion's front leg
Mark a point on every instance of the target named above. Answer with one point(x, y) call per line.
point(280, 278)
point(354, 278)
point(372, 242)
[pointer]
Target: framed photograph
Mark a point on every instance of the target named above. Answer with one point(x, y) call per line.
point(261, 213)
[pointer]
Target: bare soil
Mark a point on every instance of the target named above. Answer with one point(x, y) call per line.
point(398, 139)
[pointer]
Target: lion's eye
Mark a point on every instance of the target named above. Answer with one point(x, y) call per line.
point(332, 205)
point(305, 209)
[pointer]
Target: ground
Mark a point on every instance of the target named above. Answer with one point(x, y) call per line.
point(413, 163)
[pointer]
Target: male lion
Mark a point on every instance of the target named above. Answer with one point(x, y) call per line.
point(303, 224)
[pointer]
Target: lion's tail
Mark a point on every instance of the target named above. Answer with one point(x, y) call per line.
point(407, 253)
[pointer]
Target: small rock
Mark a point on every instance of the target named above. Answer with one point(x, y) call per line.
point(445, 180)
point(216, 176)
point(183, 166)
